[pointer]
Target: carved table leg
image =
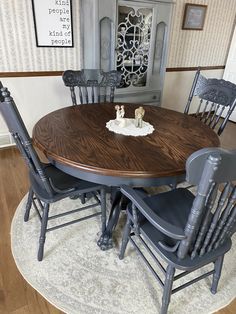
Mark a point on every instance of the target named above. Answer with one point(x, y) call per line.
point(119, 202)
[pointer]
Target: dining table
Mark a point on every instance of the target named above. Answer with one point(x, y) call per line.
point(77, 141)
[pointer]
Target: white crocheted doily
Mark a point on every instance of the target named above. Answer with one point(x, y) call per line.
point(129, 128)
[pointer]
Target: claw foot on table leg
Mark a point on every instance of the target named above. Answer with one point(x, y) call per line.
point(105, 242)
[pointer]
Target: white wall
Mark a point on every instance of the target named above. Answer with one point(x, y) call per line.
point(177, 87)
point(35, 97)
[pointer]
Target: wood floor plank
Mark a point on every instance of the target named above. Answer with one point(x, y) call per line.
point(12, 280)
point(16, 295)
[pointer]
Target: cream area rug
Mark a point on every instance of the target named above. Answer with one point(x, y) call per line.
point(77, 277)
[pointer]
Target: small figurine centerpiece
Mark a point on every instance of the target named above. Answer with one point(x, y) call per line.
point(129, 126)
point(139, 114)
point(120, 113)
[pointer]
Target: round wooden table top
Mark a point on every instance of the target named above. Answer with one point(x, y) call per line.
point(77, 140)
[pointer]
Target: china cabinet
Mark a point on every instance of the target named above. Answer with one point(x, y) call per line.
point(131, 37)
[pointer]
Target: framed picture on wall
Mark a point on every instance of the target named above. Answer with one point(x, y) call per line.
point(53, 23)
point(194, 16)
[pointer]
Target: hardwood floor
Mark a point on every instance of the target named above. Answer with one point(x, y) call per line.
point(16, 296)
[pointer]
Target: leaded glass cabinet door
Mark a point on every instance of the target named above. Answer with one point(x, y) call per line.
point(134, 44)
point(130, 36)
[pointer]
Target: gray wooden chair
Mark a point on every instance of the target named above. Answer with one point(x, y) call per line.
point(94, 86)
point(48, 184)
point(217, 100)
point(187, 231)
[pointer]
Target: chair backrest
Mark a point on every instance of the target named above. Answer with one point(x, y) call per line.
point(217, 100)
point(94, 86)
point(212, 219)
point(22, 139)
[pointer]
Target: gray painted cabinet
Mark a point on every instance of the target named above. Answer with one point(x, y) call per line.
point(131, 37)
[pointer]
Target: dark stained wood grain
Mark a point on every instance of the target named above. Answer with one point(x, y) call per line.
point(77, 136)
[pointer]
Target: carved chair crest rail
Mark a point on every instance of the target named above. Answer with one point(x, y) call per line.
point(94, 86)
point(217, 100)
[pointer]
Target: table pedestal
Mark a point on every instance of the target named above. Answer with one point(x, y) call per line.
point(119, 202)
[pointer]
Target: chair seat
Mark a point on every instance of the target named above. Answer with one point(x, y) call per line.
point(174, 207)
point(178, 201)
point(167, 206)
point(63, 182)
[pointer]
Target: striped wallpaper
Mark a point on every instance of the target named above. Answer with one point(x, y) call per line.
point(209, 47)
point(18, 51)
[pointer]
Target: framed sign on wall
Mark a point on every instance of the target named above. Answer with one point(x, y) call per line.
point(194, 16)
point(53, 23)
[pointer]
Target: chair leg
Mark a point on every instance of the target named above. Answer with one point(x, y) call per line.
point(125, 238)
point(42, 237)
point(167, 288)
point(217, 273)
point(103, 208)
point(28, 204)
point(82, 198)
point(112, 193)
